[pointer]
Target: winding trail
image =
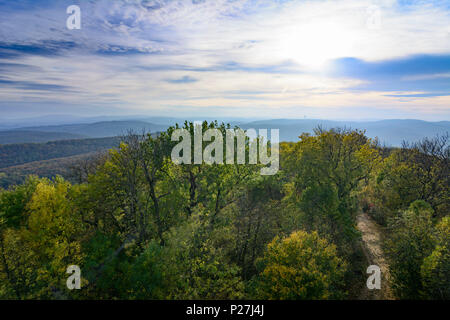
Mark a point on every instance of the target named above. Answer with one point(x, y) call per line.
point(372, 235)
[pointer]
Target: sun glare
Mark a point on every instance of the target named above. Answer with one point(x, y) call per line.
point(312, 45)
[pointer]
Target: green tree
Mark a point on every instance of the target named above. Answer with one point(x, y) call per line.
point(13, 202)
point(435, 270)
point(410, 242)
point(301, 266)
point(199, 262)
point(417, 171)
point(328, 169)
point(36, 255)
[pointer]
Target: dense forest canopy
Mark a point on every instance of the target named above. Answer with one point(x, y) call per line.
point(16, 154)
point(142, 227)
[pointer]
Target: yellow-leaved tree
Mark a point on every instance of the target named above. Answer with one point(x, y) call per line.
point(301, 266)
point(36, 253)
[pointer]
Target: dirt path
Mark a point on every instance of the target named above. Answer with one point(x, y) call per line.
point(371, 238)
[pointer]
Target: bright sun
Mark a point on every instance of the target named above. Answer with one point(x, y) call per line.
point(312, 45)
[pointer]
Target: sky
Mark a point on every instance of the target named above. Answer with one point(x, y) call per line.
point(328, 59)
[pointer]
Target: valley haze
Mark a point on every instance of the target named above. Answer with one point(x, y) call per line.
point(390, 132)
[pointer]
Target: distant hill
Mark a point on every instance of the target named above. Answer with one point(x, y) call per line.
point(390, 132)
point(99, 129)
point(393, 132)
point(43, 169)
point(23, 136)
point(16, 154)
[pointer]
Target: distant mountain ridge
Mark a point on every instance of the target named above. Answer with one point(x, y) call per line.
point(389, 132)
point(99, 129)
point(103, 129)
point(29, 136)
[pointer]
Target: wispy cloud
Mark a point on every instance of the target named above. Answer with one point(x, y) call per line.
point(419, 95)
point(270, 58)
point(184, 79)
point(28, 85)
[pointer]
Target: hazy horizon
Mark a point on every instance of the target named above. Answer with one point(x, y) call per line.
point(61, 119)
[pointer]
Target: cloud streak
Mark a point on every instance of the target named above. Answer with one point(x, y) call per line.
point(269, 58)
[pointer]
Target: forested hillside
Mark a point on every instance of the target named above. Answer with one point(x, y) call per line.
point(16, 154)
point(64, 167)
point(100, 129)
point(140, 226)
point(17, 136)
